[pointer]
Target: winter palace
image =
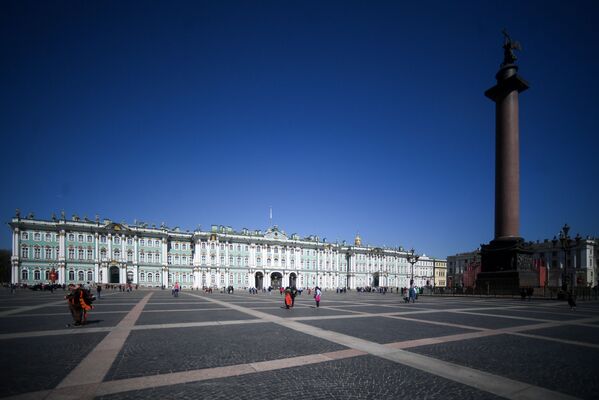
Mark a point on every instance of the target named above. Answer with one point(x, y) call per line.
point(83, 250)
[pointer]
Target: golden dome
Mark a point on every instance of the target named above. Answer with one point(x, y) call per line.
point(358, 240)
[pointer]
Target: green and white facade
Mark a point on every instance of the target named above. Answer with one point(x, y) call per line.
point(108, 252)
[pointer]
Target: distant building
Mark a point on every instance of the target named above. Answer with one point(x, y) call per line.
point(440, 272)
point(81, 250)
point(577, 265)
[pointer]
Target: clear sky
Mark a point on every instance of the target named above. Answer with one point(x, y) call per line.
point(345, 117)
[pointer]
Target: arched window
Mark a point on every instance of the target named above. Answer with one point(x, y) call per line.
point(71, 275)
point(80, 238)
point(183, 260)
point(80, 253)
point(90, 276)
point(36, 275)
point(71, 237)
point(157, 257)
point(142, 276)
point(231, 260)
point(48, 237)
point(47, 275)
point(129, 256)
point(71, 253)
point(150, 257)
point(90, 254)
point(157, 277)
point(80, 275)
point(149, 277)
point(24, 275)
point(37, 252)
point(258, 261)
point(177, 260)
point(103, 254)
point(117, 254)
point(48, 253)
point(142, 257)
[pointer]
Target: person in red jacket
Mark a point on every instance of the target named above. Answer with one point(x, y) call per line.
point(288, 299)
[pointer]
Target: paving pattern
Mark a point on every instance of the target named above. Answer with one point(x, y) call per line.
point(147, 344)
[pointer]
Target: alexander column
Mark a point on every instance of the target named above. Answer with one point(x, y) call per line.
point(506, 264)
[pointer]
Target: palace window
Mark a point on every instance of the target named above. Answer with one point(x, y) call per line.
point(222, 247)
point(157, 243)
point(90, 276)
point(90, 254)
point(150, 257)
point(177, 260)
point(25, 236)
point(176, 246)
point(36, 236)
point(142, 257)
point(268, 262)
point(222, 260)
point(149, 276)
point(46, 275)
point(71, 275)
point(103, 254)
point(117, 240)
point(203, 245)
point(203, 259)
point(238, 260)
point(231, 260)
point(89, 239)
point(36, 252)
point(129, 241)
point(258, 248)
point(103, 239)
point(130, 256)
point(157, 257)
point(24, 275)
point(117, 254)
point(48, 253)
point(183, 260)
point(80, 238)
point(80, 276)
point(142, 242)
point(142, 276)
point(212, 246)
point(183, 246)
point(36, 275)
point(80, 253)
point(212, 259)
point(247, 261)
point(71, 237)
point(48, 237)
point(258, 261)
point(71, 253)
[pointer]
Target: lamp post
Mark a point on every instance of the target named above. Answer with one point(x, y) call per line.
point(412, 259)
point(566, 244)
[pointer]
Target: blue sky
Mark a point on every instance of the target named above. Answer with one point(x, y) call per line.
point(344, 117)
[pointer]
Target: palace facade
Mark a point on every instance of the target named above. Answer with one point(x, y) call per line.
point(82, 250)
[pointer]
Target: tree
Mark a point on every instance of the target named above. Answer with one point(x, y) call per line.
point(5, 265)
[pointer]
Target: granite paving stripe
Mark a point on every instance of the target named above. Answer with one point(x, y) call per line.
point(31, 365)
point(495, 384)
point(568, 332)
point(95, 365)
point(191, 316)
point(473, 320)
point(148, 353)
point(122, 385)
point(555, 366)
point(28, 308)
point(382, 330)
point(363, 377)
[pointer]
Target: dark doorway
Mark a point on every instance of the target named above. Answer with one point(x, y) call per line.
point(259, 281)
point(375, 279)
point(292, 279)
point(114, 275)
point(276, 280)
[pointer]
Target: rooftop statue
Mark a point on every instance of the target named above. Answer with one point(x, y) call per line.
point(509, 46)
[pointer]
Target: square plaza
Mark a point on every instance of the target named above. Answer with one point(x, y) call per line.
point(148, 344)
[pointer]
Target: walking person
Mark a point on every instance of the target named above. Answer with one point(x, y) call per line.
point(571, 301)
point(288, 298)
point(293, 294)
point(317, 294)
point(79, 302)
point(176, 289)
point(99, 291)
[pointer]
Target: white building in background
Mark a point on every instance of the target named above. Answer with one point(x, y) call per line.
point(81, 250)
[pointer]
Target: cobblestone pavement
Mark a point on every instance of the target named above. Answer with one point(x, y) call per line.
point(147, 344)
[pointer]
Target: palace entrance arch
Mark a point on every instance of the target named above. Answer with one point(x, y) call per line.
point(375, 279)
point(259, 281)
point(292, 279)
point(113, 272)
point(276, 280)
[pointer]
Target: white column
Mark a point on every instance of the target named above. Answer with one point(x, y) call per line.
point(97, 271)
point(164, 255)
point(123, 252)
point(109, 246)
point(135, 249)
point(61, 245)
point(135, 273)
point(165, 277)
point(97, 255)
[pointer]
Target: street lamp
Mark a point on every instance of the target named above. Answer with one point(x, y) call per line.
point(566, 244)
point(412, 259)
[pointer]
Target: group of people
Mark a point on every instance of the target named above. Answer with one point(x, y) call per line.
point(80, 302)
point(291, 292)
